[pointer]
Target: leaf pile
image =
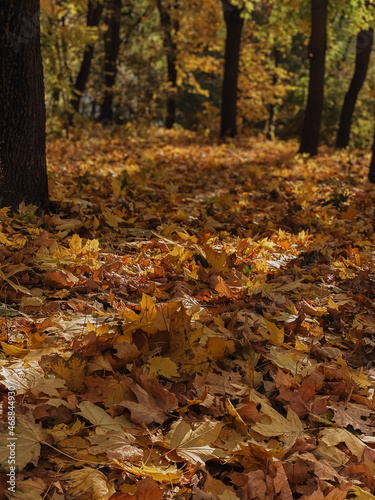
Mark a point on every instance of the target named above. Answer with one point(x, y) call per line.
point(194, 321)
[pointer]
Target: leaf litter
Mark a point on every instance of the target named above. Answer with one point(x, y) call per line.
point(194, 321)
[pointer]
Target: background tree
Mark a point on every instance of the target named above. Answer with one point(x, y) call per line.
point(234, 23)
point(94, 13)
point(23, 175)
point(271, 94)
point(170, 26)
point(111, 51)
point(371, 174)
point(317, 55)
point(363, 46)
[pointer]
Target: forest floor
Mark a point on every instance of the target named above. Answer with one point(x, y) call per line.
point(195, 321)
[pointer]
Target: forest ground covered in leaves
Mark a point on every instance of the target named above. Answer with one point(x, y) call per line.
point(194, 320)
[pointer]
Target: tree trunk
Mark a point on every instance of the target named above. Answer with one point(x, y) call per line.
point(111, 48)
point(364, 45)
point(234, 23)
point(317, 53)
point(171, 52)
point(270, 134)
point(23, 173)
point(371, 174)
point(94, 14)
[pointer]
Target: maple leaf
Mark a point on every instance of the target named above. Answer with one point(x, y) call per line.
point(31, 379)
point(72, 370)
point(30, 489)
point(162, 474)
point(92, 480)
point(117, 445)
point(150, 407)
point(193, 444)
point(288, 429)
point(29, 437)
point(101, 420)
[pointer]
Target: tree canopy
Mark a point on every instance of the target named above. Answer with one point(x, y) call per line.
point(273, 74)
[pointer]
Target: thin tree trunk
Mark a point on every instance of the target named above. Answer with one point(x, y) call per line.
point(364, 45)
point(94, 14)
point(171, 52)
point(23, 173)
point(371, 174)
point(317, 53)
point(271, 121)
point(111, 47)
point(234, 23)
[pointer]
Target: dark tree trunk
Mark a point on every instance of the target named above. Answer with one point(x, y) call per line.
point(364, 45)
point(111, 48)
point(234, 23)
point(23, 173)
point(317, 53)
point(171, 52)
point(94, 14)
point(371, 174)
point(271, 121)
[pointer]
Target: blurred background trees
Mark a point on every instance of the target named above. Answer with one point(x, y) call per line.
point(161, 63)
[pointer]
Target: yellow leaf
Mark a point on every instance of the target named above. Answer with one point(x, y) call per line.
point(361, 494)
point(288, 429)
point(148, 309)
point(216, 259)
point(72, 370)
point(217, 348)
point(180, 254)
point(98, 329)
point(332, 437)
point(62, 431)
point(95, 223)
point(163, 366)
point(75, 244)
point(90, 480)
point(238, 422)
point(19, 288)
point(332, 305)
point(300, 346)
point(187, 237)
point(12, 350)
point(219, 489)
point(91, 246)
point(160, 474)
point(103, 422)
point(276, 334)
point(194, 444)
point(111, 219)
point(32, 301)
point(223, 289)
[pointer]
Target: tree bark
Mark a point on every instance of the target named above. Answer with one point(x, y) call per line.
point(94, 14)
point(234, 23)
point(111, 49)
point(317, 52)
point(23, 172)
point(364, 45)
point(171, 52)
point(270, 134)
point(371, 174)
